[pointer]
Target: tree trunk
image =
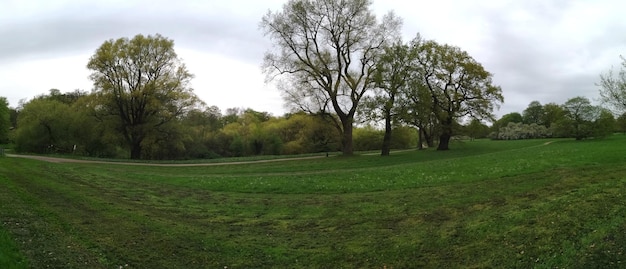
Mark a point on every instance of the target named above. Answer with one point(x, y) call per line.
point(420, 139)
point(444, 141)
point(387, 138)
point(346, 140)
point(446, 134)
point(135, 150)
point(429, 137)
point(430, 141)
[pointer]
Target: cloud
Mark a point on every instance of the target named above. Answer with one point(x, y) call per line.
point(76, 25)
point(548, 51)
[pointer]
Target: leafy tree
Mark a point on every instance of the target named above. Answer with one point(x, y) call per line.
point(613, 88)
point(477, 129)
point(94, 136)
point(508, 118)
point(404, 137)
point(13, 114)
point(207, 120)
point(416, 110)
point(232, 115)
point(202, 126)
point(579, 118)
point(5, 120)
point(605, 124)
point(392, 74)
point(552, 113)
point(143, 84)
point(66, 98)
point(328, 50)
point(504, 121)
point(459, 86)
point(44, 127)
point(253, 133)
point(367, 138)
point(534, 113)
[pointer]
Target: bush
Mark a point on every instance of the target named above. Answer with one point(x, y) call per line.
point(516, 131)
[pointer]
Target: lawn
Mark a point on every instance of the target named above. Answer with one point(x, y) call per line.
point(503, 204)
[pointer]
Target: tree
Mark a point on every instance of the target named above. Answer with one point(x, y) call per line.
point(392, 73)
point(66, 98)
point(304, 133)
point(416, 104)
point(518, 130)
point(534, 113)
point(552, 113)
point(327, 49)
point(506, 119)
point(94, 136)
point(477, 129)
point(579, 117)
point(613, 88)
point(13, 114)
point(5, 120)
point(605, 123)
point(202, 126)
point(367, 138)
point(458, 85)
point(143, 84)
point(404, 137)
point(44, 126)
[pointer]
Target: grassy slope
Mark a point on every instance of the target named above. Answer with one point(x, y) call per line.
point(486, 204)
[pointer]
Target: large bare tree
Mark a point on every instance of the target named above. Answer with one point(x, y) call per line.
point(326, 50)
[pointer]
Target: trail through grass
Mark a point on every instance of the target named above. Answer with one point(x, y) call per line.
point(503, 204)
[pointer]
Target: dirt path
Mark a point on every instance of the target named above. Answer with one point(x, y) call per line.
point(64, 160)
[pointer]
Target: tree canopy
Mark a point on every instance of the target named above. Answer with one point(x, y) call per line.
point(533, 113)
point(392, 75)
point(459, 86)
point(143, 85)
point(582, 119)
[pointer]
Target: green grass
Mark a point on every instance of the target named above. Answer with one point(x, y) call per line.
point(10, 257)
point(502, 204)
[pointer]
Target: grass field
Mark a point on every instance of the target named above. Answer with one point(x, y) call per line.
point(484, 204)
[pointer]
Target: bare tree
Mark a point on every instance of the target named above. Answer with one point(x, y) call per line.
point(327, 50)
point(613, 89)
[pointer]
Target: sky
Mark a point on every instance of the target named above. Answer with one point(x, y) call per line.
point(544, 50)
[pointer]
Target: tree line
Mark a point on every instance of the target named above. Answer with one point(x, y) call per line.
point(339, 69)
point(67, 123)
point(576, 118)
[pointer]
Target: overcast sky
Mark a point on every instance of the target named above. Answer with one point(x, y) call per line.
point(545, 50)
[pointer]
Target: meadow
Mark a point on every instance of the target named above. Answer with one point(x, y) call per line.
point(483, 204)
